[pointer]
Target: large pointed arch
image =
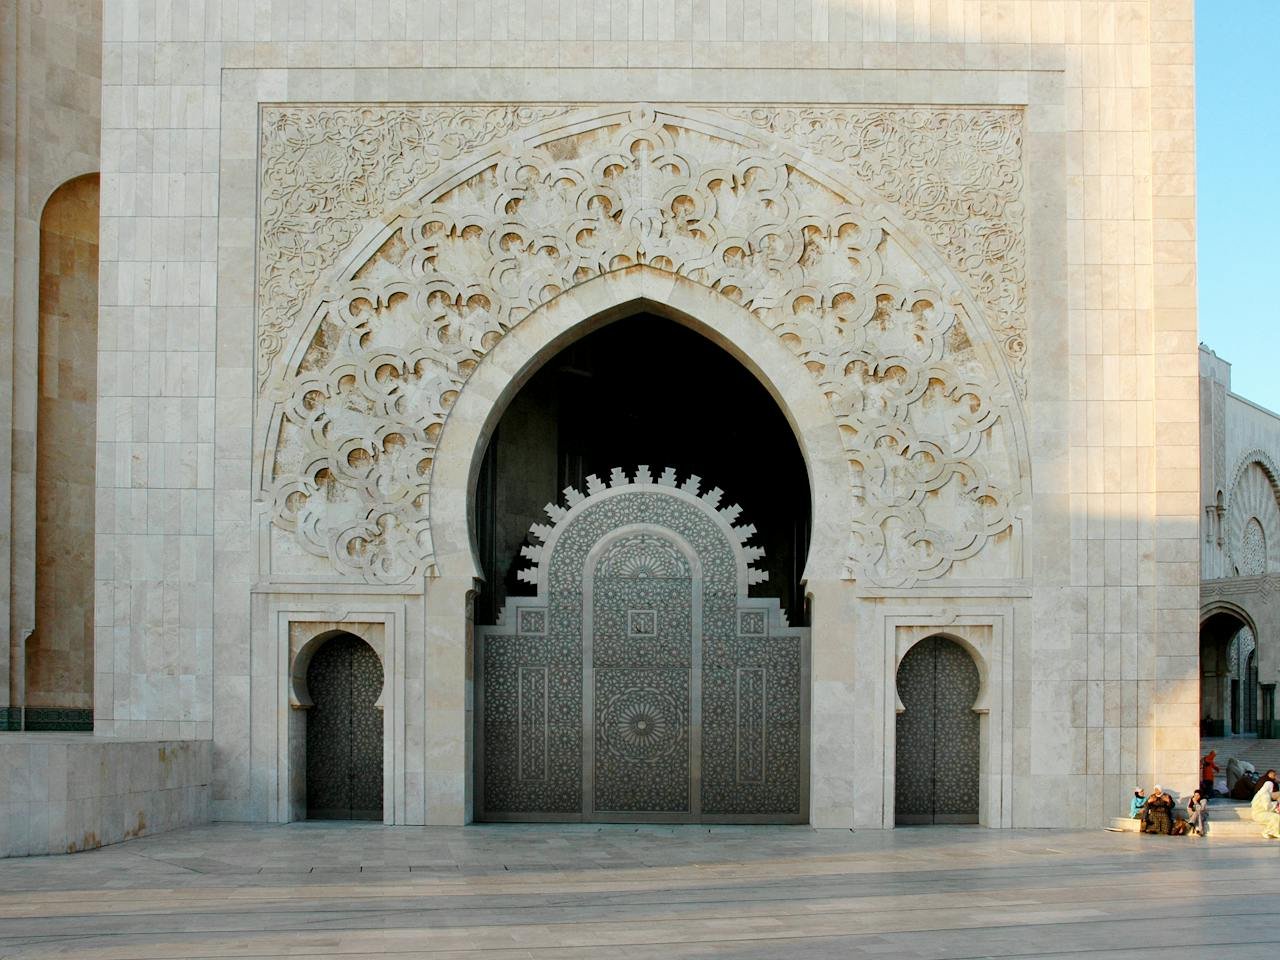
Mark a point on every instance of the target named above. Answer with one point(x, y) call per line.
point(585, 309)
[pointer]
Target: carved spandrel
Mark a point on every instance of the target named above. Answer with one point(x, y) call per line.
point(924, 411)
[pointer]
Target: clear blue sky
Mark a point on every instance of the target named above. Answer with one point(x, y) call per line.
point(1238, 190)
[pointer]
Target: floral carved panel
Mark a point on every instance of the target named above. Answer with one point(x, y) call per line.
point(956, 173)
point(905, 310)
point(1253, 518)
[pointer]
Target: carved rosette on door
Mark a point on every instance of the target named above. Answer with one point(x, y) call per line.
point(642, 682)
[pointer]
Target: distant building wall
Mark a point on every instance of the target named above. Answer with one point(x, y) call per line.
point(1240, 550)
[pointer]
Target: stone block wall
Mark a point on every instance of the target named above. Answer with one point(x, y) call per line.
point(67, 793)
point(1101, 645)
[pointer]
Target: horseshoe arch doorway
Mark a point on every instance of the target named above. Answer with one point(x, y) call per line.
point(666, 675)
point(938, 743)
point(344, 733)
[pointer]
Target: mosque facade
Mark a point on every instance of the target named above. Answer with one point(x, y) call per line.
point(717, 412)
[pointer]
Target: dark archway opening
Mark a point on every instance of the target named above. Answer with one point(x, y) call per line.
point(344, 731)
point(643, 390)
point(938, 735)
point(1228, 691)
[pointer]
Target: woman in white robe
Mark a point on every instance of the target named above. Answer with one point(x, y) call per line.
point(1265, 812)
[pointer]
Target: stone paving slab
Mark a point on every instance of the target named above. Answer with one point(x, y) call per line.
point(633, 893)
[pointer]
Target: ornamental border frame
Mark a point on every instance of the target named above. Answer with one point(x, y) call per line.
point(1038, 85)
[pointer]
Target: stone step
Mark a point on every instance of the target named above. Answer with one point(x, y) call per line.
point(1230, 810)
point(1222, 829)
point(1263, 754)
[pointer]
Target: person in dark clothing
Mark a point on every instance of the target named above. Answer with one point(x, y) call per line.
point(1157, 815)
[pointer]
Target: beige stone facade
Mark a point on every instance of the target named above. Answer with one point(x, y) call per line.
point(1240, 556)
point(953, 239)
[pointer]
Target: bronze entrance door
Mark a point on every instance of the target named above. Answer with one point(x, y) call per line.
point(641, 682)
point(936, 776)
point(344, 732)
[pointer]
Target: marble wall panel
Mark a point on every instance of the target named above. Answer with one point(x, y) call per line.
point(67, 793)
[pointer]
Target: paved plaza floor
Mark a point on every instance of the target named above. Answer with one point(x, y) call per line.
point(623, 893)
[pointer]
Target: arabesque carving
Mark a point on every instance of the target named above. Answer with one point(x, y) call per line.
point(1253, 518)
point(326, 171)
point(957, 173)
point(921, 394)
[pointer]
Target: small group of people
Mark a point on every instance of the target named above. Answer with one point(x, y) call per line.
point(1156, 810)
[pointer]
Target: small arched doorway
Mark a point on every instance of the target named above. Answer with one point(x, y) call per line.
point(938, 735)
point(344, 731)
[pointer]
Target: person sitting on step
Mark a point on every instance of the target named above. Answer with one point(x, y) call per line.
point(1158, 813)
point(1197, 813)
point(1238, 770)
point(1264, 810)
point(1136, 804)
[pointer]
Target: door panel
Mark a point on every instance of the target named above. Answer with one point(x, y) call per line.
point(641, 683)
point(914, 780)
point(642, 666)
point(344, 732)
point(936, 771)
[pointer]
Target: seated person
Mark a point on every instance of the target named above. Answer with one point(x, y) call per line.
point(1244, 788)
point(1197, 813)
point(1237, 768)
point(1137, 803)
point(1158, 813)
point(1265, 809)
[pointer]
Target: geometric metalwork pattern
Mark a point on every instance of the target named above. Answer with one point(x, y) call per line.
point(658, 690)
point(936, 780)
point(344, 731)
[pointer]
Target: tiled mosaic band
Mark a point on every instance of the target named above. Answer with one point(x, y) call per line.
point(46, 718)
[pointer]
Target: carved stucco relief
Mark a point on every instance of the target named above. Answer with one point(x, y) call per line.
point(915, 366)
point(326, 171)
point(955, 173)
point(1253, 517)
